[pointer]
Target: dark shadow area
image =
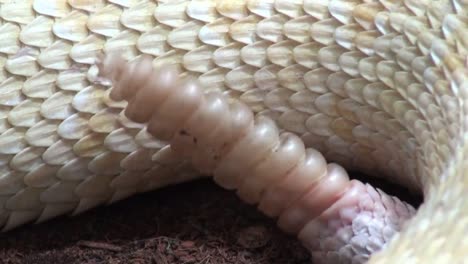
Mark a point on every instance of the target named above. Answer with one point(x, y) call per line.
point(390, 188)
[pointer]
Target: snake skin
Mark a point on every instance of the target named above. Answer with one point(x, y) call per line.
point(377, 86)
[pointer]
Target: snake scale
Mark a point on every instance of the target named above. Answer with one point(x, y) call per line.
point(377, 86)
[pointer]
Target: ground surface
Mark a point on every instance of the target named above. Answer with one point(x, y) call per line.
point(190, 223)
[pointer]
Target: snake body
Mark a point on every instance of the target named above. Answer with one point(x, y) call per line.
point(219, 136)
point(377, 86)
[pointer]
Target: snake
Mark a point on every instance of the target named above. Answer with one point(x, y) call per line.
point(273, 99)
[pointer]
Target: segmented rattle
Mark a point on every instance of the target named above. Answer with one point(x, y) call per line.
point(269, 168)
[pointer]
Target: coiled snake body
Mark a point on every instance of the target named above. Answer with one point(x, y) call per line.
point(377, 86)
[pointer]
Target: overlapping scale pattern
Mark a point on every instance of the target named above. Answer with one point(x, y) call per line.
point(378, 86)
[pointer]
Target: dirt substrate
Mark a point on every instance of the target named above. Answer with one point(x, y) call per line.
point(196, 222)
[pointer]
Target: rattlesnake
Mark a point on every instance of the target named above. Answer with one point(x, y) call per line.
point(377, 86)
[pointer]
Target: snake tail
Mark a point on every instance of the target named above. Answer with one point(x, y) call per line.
point(339, 220)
